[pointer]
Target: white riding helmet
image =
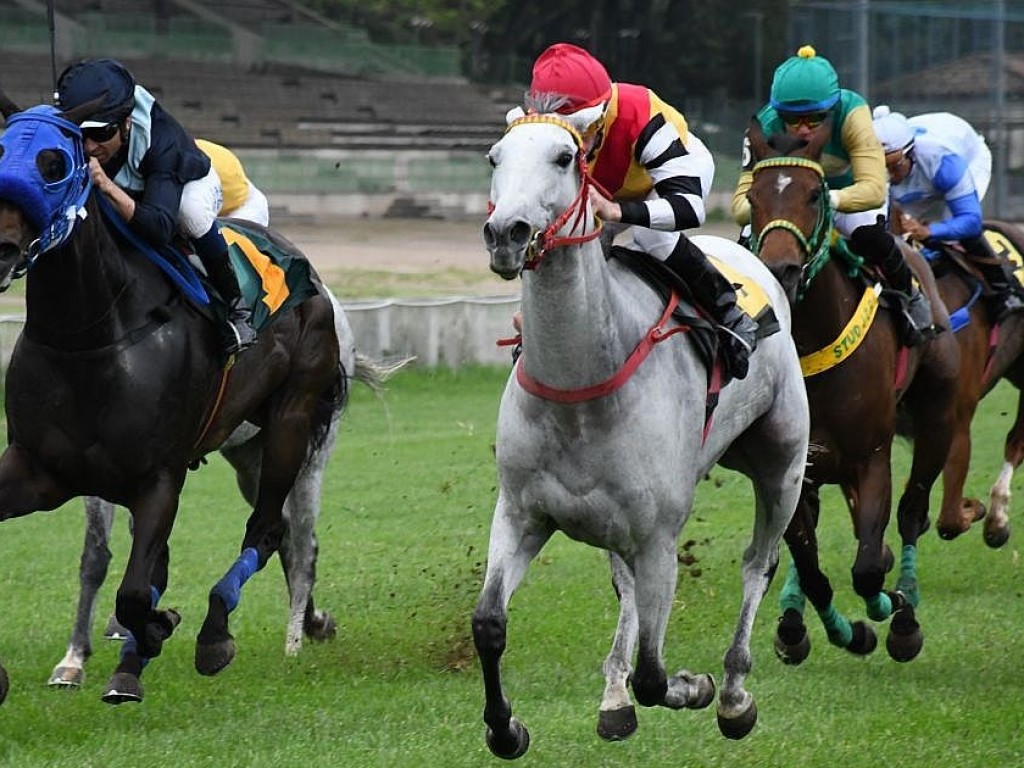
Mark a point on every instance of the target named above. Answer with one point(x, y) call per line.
point(893, 130)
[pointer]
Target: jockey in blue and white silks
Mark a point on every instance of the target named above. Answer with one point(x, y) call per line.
point(939, 170)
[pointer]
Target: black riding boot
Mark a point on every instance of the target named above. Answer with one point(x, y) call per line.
point(914, 319)
point(1005, 296)
point(212, 250)
point(737, 331)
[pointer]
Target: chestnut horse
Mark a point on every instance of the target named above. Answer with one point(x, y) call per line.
point(859, 380)
point(988, 352)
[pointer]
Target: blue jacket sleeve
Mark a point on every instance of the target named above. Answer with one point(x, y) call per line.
point(965, 221)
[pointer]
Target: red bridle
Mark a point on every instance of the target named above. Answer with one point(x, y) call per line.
point(547, 239)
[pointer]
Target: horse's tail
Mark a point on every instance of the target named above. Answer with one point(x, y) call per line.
point(374, 373)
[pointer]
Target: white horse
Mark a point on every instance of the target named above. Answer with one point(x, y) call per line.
point(613, 459)
point(298, 552)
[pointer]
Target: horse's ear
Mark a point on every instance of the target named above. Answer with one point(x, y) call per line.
point(759, 147)
point(77, 114)
point(7, 107)
point(819, 138)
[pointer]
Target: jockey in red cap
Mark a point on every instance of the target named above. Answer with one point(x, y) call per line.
point(657, 172)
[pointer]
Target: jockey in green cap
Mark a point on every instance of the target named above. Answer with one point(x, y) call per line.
point(805, 95)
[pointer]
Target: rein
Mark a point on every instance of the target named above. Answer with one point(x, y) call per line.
point(545, 240)
point(655, 335)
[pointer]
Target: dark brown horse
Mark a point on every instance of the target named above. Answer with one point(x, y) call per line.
point(858, 378)
point(988, 353)
point(117, 385)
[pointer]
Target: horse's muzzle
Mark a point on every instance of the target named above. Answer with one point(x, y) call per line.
point(507, 246)
point(789, 276)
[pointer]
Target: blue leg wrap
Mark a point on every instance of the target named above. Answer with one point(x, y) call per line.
point(838, 627)
point(229, 588)
point(129, 645)
point(879, 607)
point(907, 583)
point(792, 596)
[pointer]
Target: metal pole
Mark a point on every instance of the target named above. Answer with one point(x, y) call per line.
point(863, 62)
point(999, 107)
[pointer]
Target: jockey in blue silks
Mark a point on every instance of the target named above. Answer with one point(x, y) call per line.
point(939, 170)
point(153, 174)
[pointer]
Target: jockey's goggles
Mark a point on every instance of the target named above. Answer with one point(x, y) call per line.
point(810, 119)
point(100, 134)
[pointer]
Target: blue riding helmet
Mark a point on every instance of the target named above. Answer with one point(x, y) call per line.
point(94, 78)
point(804, 83)
point(52, 207)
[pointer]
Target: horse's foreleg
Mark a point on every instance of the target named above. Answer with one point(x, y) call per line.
point(513, 544)
point(655, 569)
point(997, 524)
point(99, 520)
point(617, 715)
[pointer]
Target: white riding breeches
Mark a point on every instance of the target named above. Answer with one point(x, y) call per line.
point(255, 208)
point(200, 203)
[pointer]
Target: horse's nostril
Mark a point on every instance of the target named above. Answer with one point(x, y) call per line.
point(520, 233)
point(489, 239)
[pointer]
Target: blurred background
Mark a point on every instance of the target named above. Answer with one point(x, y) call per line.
point(385, 107)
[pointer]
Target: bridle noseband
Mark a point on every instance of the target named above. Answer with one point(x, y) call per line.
point(542, 241)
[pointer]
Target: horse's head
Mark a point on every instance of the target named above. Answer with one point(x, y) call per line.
point(538, 190)
point(44, 184)
point(790, 214)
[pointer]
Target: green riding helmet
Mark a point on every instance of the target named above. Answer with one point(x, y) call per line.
point(804, 83)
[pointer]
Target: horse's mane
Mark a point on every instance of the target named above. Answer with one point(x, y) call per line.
point(544, 103)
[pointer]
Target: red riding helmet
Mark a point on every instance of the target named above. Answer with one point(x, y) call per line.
point(570, 71)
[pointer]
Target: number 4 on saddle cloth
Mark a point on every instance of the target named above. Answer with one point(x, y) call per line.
point(271, 275)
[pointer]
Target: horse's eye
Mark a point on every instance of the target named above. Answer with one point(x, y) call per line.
point(490, 160)
point(815, 196)
point(564, 159)
point(52, 166)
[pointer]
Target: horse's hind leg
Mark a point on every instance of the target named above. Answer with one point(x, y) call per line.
point(997, 524)
point(513, 544)
point(284, 449)
point(957, 514)
point(99, 520)
point(617, 716)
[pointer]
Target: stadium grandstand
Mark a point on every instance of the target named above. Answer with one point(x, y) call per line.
point(312, 105)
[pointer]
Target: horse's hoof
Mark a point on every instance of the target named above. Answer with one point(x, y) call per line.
point(864, 640)
point(122, 688)
point(905, 638)
point(617, 724)
point(321, 628)
point(948, 533)
point(739, 725)
point(792, 652)
point(114, 629)
point(997, 537)
point(67, 677)
point(211, 658)
point(5, 684)
point(512, 745)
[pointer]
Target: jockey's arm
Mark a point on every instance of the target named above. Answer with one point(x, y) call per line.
point(121, 200)
point(867, 163)
point(965, 220)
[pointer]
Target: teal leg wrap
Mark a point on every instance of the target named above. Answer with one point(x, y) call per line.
point(907, 583)
point(879, 607)
point(792, 596)
point(838, 627)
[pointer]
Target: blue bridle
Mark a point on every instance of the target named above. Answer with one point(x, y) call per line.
point(53, 207)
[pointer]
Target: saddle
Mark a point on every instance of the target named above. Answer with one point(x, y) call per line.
point(272, 275)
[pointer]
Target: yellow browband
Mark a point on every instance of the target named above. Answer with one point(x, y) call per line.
point(550, 120)
point(849, 339)
point(789, 162)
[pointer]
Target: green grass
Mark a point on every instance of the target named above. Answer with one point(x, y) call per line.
point(403, 536)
